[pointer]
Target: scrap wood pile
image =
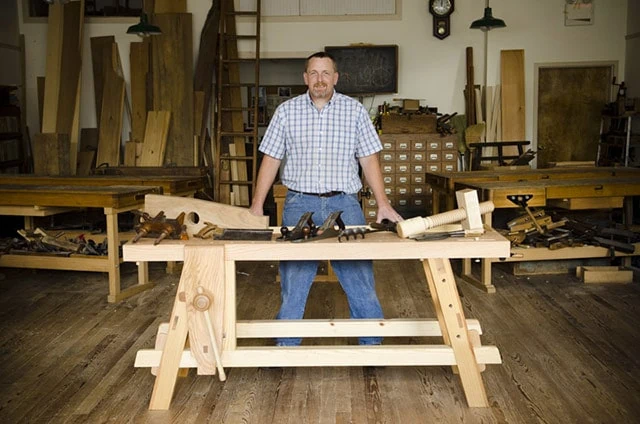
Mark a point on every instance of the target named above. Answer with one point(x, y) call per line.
point(40, 242)
point(554, 231)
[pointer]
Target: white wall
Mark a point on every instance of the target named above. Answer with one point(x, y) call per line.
point(632, 68)
point(429, 68)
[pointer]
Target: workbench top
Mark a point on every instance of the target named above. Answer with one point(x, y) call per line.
point(382, 245)
point(170, 184)
point(74, 196)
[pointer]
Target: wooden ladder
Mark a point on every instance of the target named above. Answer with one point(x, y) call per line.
point(236, 143)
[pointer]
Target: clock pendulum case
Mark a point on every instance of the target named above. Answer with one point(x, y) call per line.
point(441, 11)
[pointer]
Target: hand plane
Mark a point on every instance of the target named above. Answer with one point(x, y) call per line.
point(306, 230)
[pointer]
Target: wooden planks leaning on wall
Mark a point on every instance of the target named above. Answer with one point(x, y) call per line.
point(512, 97)
point(139, 62)
point(100, 52)
point(52, 154)
point(111, 113)
point(172, 65)
point(60, 94)
point(155, 138)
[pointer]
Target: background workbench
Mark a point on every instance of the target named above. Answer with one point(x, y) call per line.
point(35, 196)
point(572, 194)
point(443, 184)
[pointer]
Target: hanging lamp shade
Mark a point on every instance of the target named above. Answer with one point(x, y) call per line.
point(144, 28)
point(488, 22)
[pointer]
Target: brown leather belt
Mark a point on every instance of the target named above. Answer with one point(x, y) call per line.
point(327, 194)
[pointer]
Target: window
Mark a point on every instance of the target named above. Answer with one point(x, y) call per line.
point(326, 8)
point(40, 9)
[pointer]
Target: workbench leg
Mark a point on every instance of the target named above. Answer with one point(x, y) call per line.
point(485, 281)
point(442, 285)
point(176, 338)
point(143, 273)
point(205, 304)
point(113, 255)
point(116, 294)
point(435, 201)
point(229, 342)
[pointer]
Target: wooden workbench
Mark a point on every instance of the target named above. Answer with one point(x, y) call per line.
point(39, 200)
point(210, 269)
point(444, 183)
point(170, 185)
point(575, 194)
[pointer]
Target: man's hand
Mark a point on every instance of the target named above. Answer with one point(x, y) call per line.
point(256, 210)
point(386, 211)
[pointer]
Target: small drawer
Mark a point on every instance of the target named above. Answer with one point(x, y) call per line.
point(434, 167)
point(387, 156)
point(403, 179)
point(449, 166)
point(402, 190)
point(449, 155)
point(403, 201)
point(434, 145)
point(418, 145)
point(417, 167)
point(403, 168)
point(402, 145)
point(403, 156)
point(417, 156)
point(449, 145)
point(434, 156)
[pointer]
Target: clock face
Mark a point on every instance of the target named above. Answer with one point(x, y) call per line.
point(441, 7)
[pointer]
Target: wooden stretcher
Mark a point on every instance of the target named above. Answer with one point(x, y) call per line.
point(205, 310)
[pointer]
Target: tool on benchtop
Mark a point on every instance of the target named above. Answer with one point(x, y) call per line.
point(469, 214)
point(384, 225)
point(215, 232)
point(306, 230)
point(161, 226)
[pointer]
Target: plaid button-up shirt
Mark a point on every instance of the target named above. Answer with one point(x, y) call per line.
point(320, 148)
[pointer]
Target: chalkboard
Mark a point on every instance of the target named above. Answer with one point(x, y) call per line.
point(366, 69)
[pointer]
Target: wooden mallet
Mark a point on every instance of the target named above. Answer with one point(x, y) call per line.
point(469, 215)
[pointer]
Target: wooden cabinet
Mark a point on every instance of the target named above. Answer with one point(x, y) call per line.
point(404, 162)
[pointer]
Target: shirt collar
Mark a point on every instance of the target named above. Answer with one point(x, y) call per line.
point(334, 97)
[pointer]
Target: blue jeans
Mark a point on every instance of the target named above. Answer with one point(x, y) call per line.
point(356, 277)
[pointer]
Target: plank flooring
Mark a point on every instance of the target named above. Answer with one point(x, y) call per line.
point(569, 354)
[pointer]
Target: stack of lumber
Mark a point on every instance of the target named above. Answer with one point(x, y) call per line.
point(55, 148)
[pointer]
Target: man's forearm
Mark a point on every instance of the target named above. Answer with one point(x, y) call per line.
point(266, 176)
point(373, 175)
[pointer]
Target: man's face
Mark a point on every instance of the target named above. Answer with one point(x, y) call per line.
point(320, 77)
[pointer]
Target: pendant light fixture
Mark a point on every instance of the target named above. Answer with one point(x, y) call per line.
point(144, 28)
point(487, 22)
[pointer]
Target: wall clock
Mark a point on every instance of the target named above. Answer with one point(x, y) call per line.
point(441, 11)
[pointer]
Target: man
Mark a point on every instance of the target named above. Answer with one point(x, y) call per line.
point(321, 136)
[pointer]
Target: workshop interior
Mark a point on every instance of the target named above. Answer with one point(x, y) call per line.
point(135, 283)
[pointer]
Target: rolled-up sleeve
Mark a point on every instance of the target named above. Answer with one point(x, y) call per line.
point(368, 140)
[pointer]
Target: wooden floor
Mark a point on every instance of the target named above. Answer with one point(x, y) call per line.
point(570, 354)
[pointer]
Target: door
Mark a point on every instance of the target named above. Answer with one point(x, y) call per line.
point(570, 101)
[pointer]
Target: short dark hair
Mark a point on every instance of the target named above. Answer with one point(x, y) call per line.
point(321, 55)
